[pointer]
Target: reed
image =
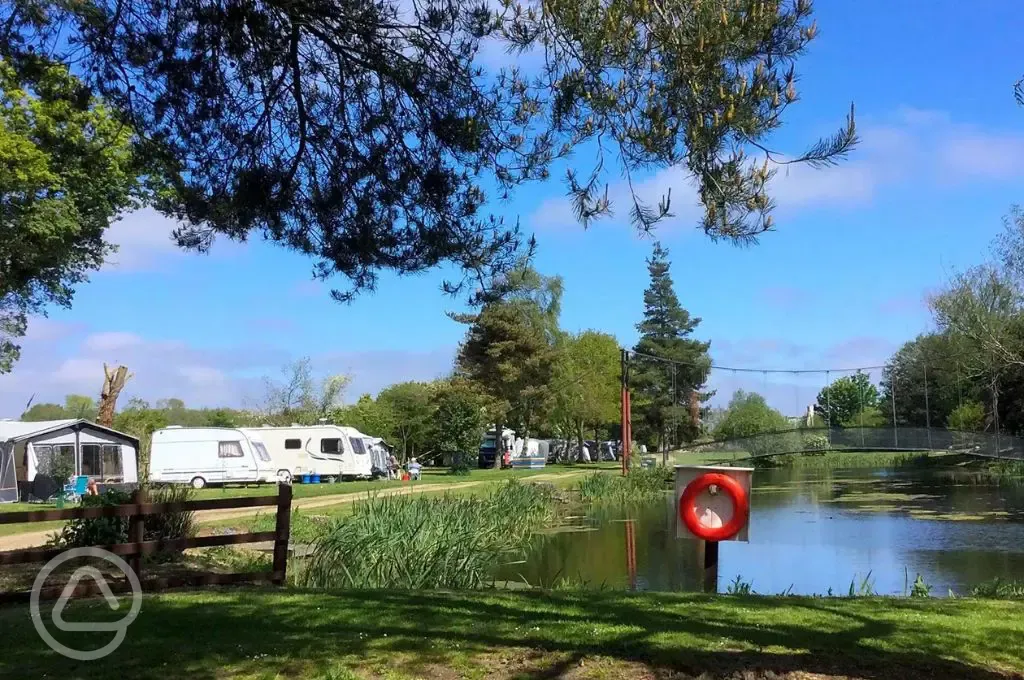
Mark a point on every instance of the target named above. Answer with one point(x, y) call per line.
point(640, 486)
point(427, 542)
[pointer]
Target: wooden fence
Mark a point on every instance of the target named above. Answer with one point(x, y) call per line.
point(137, 546)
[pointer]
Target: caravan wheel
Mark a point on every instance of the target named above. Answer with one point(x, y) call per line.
point(198, 482)
point(284, 476)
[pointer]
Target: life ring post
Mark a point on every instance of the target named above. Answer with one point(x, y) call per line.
point(710, 566)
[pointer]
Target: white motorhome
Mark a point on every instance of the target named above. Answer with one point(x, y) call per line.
point(325, 450)
point(209, 455)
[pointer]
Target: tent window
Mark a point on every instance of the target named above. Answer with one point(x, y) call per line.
point(92, 464)
point(330, 445)
point(44, 457)
point(112, 461)
point(65, 451)
point(357, 445)
point(293, 443)
point(229, 450)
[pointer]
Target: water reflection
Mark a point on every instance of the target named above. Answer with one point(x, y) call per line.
point(811, 531)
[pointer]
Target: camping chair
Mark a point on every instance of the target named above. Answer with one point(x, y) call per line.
point(74, 491)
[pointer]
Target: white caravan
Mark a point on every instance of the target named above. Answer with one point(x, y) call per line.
point(361, 464)
point(209, 455)
point(324, 450)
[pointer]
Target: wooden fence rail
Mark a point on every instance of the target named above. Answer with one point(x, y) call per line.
point(136, 511)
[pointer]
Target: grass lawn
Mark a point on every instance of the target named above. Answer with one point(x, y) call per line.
point(262, 634)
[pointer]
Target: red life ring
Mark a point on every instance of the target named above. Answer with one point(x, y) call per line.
point(740, 507)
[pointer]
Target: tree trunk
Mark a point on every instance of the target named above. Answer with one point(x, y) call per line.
point(579, 440)
point(499, 444)
point(113, 383)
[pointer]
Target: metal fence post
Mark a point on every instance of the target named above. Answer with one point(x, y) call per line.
point(281, 532)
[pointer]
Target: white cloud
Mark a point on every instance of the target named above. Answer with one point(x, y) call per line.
point(143, 240)
point(60, 359)
point(911, 145)
point(111, 341)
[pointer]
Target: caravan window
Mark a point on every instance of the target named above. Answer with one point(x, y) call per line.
point(357, 445)
point(330, 445)
point(293, 443)
point(261, 451)
point(229, 450)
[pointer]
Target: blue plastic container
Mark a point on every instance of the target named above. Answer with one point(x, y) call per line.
point(316, 479)
point(305, 479)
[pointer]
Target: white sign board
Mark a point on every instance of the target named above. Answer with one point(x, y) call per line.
point(714, 510)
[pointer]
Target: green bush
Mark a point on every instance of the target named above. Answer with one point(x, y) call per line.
point(80, 533)
point(968, 417)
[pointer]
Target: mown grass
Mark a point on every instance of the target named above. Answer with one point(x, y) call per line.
point(425, 541)
point(262, 634)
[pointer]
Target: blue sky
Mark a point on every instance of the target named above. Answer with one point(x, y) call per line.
point(839, 284)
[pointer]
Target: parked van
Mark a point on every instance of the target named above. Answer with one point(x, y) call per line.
point(201, 456)
point(324, 450)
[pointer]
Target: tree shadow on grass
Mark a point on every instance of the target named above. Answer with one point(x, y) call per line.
point(212, 635)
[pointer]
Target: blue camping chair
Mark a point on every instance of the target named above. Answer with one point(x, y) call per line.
point(74, 491)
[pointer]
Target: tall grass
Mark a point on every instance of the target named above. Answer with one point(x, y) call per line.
point(999, 589)
point(427, 542)
point(641, 485)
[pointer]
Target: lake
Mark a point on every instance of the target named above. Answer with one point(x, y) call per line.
point(811, 530)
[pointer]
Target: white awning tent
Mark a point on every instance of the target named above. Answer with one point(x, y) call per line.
point(99, 452)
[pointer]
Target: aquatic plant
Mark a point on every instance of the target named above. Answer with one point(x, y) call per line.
point(426, 542)
point(920, 588)
point(740, 587)
point(640, 485)
point(999, 589)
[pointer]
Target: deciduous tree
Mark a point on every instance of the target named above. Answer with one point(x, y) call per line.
point(586, 381)
point(66, 171)
point(410, 409)
point(846, 397)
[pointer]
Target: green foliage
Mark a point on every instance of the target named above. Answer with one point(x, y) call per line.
point(869, 416)
point(79, 533)
point(458, 423)
point(747, 415)
point(367, 148)
point(662, 408)
point(367, 415)
point(641, 485)
point(427, 542)
point(939, 357)
point(40, 412)
point(66, 170)
point(509, 349)
point(62, 467)
point(740, 587)
point(586, 381)
point(920, 588)
point(846, 398)
point(409, 407)
point(968, 417)
point(999, 589)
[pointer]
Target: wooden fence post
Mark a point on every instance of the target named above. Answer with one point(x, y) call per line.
point(137, 532)
point(283, 528)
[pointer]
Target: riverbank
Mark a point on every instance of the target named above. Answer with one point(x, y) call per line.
point(611, 636)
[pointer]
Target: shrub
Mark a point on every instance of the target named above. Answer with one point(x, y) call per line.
point(968, 417)
point(80, 533)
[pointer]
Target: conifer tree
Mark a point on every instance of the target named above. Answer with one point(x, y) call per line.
point(661, 409)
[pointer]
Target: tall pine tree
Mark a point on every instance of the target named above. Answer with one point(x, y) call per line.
point(662, 411)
